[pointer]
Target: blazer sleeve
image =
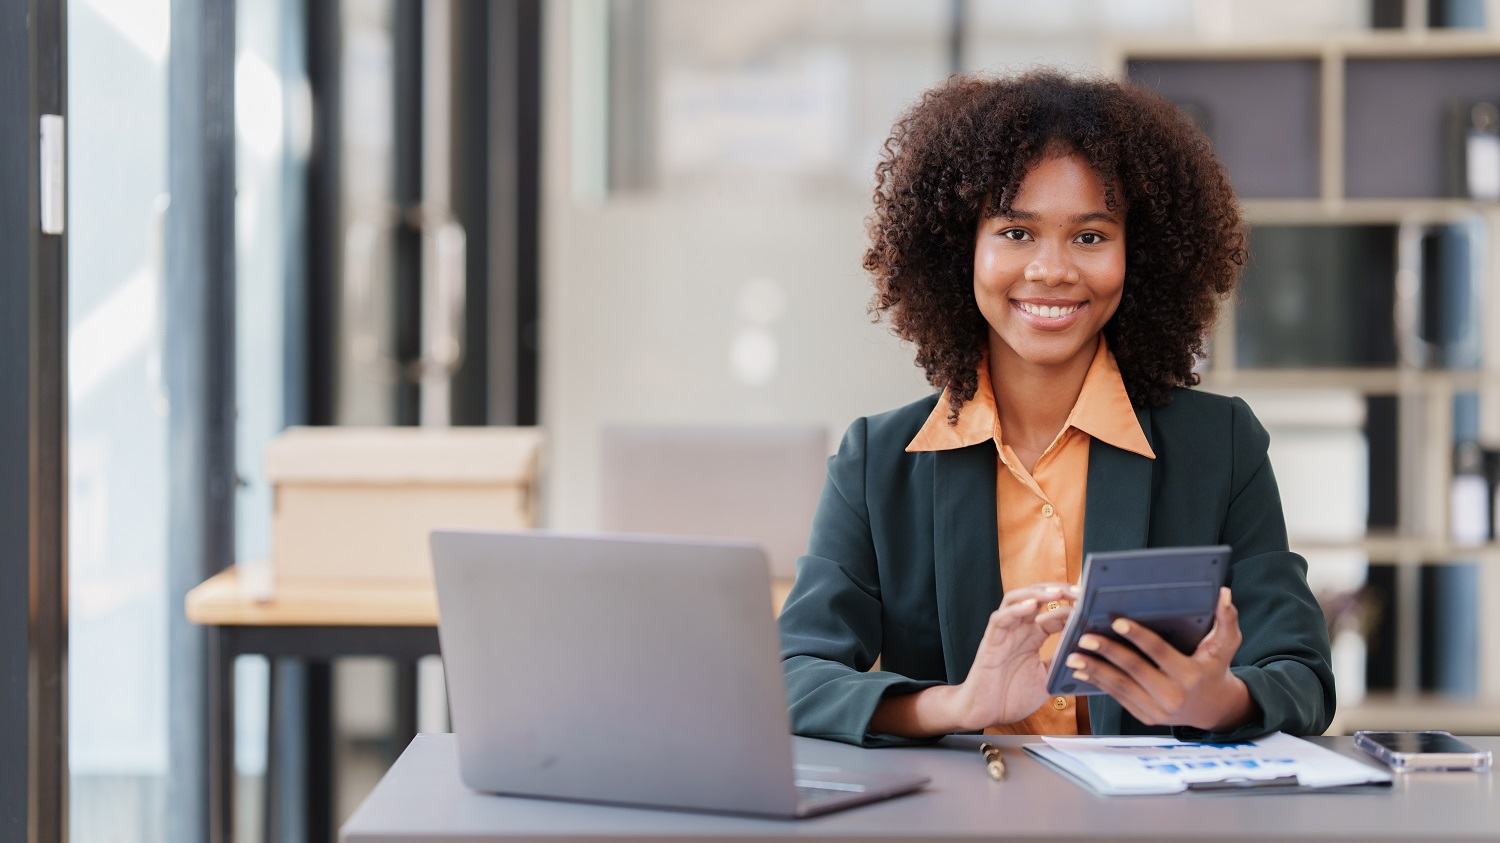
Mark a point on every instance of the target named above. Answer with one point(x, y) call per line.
point(1284, 659)
point(831, 621)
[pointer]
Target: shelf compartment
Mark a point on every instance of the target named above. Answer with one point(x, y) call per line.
point(1319, 296)
point(1394, 113)
point(1262, 116)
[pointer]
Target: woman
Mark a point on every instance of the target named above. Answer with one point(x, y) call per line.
point(1055, 249)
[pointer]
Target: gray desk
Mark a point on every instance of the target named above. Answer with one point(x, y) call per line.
point(421, 798)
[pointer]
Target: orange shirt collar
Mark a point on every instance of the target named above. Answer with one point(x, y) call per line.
point(1103, 411)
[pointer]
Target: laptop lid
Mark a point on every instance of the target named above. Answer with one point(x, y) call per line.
point(631, 669)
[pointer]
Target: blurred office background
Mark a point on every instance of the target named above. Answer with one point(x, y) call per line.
point(582, 214)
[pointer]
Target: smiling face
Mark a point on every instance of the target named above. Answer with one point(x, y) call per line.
point(1049, 275)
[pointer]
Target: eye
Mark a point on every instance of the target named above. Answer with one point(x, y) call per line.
point(1098, 238)
point(1016, 234)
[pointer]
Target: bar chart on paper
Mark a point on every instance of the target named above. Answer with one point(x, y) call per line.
point(1123, 766)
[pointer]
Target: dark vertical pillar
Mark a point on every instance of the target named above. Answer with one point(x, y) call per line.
point(198, 363)
point(472, 178)
point(406, 32)
point(1381, 419)
point(528, 206)
point(284, 781)
point(319, 748)
point(324, 226)
point(309, 698)
point(33, 437)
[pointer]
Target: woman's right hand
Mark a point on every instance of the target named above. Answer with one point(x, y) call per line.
point(1008, 679)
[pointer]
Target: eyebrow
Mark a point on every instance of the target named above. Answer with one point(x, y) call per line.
point(1076, 219)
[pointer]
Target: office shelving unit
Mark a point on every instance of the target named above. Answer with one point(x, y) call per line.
point(1347, 132)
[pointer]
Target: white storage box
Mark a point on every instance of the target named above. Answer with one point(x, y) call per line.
point(357, 504)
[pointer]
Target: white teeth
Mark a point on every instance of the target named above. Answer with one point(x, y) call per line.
point(1049, 312)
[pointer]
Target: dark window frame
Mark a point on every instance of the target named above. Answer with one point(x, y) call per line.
point(33, 435)
point(198, 361)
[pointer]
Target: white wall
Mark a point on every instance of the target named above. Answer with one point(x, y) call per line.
point(644, 302)
point(643, 299)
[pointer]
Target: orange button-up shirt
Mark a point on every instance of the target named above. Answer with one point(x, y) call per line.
point(1039, 513)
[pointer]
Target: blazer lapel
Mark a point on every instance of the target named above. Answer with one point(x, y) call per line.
point(966, 553)
point(1117, 509)
point(1117, 516)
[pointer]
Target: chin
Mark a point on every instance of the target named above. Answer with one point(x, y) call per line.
point(1049, 351)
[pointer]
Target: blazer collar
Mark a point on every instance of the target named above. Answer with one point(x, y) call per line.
point(1117, 508)
point(1102, 410)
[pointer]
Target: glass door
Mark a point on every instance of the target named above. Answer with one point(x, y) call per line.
point(118, 468)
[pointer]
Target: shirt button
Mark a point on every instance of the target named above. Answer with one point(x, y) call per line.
point(1046, 510)
point(1052, 605)
point(1059, 703)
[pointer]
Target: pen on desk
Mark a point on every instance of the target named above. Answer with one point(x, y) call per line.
point(992, 761)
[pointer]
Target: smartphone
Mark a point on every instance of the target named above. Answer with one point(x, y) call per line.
point(1429, 750)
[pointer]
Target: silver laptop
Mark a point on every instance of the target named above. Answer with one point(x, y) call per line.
point(629, 669)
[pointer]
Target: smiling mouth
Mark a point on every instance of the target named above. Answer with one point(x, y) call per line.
point(1050, 311)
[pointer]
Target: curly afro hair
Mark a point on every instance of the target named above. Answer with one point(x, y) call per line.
point(960, 155)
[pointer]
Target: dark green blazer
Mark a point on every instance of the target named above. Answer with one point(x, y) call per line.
point(903, 564)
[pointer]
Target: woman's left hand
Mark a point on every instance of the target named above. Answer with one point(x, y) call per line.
point(1167, 688)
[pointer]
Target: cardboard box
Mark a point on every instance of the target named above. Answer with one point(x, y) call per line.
point(357, 504)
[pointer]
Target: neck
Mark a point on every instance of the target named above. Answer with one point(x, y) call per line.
point(1033, 399)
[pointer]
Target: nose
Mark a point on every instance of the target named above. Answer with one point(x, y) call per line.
point(1051, 266)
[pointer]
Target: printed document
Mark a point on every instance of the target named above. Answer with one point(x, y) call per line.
point(1160, 764)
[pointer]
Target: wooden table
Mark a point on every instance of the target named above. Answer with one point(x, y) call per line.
point(312, 621)
point(221, 600)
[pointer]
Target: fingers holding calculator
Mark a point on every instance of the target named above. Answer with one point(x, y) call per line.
point(1159, 684)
